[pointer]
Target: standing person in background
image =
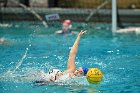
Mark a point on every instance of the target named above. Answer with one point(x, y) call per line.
point(66, 28)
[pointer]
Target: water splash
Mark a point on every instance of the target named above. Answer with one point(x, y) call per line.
point(20, 62)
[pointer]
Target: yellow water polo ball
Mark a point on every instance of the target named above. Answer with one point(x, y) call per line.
point(94, 75)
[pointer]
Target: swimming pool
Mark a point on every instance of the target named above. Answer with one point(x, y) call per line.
point(38, 49)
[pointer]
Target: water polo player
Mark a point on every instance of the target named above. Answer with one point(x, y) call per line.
point(71, 71)
point(66, 28)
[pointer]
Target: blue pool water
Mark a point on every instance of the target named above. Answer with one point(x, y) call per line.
point(29, 48)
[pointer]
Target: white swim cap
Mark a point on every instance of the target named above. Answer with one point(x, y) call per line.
point(52, 74)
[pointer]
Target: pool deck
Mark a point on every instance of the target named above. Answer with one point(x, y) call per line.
point(103, 15)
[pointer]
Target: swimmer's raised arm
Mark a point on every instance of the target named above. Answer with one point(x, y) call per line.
point(71, 61)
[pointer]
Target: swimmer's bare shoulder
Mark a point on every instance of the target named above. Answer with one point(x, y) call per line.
point(2, 40)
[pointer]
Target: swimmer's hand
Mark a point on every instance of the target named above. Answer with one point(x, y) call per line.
point(82, 32)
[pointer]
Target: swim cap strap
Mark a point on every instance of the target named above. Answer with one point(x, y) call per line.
point(85, 70)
